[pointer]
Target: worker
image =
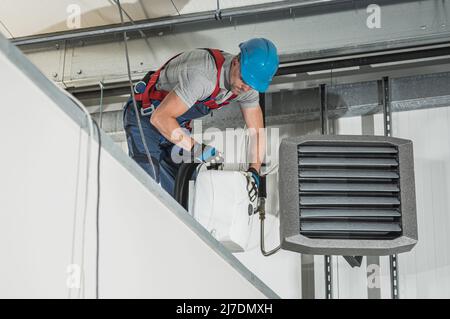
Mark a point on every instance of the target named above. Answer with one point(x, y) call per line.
point(189, 86)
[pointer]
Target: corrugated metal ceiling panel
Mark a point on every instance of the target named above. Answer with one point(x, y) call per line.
point(189, 6)
point(24, 18)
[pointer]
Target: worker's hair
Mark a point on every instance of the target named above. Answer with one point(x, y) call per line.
point(238, 57)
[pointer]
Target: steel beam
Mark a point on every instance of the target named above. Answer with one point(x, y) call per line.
point(323, 109)
point(307, 275)
point(393, 260)
point(122, 87)
point(208, 16)
point(324, 131)
point(369, 58)
point(387, 119)
point(387, 108)
point(328, 278)
point(289, 9)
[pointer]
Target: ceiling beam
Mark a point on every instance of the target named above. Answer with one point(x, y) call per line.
point(192, 18)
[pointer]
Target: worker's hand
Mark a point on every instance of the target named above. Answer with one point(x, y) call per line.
point(206, 154)
point(253, 181)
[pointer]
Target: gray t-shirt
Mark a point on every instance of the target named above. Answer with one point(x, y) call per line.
point(193, 76)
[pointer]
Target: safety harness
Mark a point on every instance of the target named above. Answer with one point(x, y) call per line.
point(152, 94)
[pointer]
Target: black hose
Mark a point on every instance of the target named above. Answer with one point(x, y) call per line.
point(181, 191)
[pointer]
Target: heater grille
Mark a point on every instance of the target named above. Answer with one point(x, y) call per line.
point(349, 190)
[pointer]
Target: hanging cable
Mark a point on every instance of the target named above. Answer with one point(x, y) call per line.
point(7, 30)
point(136, 111)
point(143, 36)
point(131, 19)
point(97, 216)
point(91, 123)
point(218, 13)
point(90, 136)
point(75, 211)
point(88, 166)
point(101, 102)
point(175, 7)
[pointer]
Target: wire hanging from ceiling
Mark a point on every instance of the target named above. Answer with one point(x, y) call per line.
point(218, 13)
point(175, 7)
point(7, 30)
point(130, 81)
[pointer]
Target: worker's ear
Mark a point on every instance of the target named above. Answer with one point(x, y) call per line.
point(235, 60)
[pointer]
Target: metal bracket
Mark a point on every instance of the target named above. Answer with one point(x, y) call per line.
point(393, 260)
point(218, 13)
point(387, 110)
point(387, 117)
point(323, 109)
point(324, 130)
point(328, 278)
point(354, 261)
point(101, 102)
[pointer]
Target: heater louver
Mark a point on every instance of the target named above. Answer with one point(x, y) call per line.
point(349, 191)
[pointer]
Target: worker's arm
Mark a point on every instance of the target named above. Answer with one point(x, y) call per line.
point(254, 119)
point(164, 118)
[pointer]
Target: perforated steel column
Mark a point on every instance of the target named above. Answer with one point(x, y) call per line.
point(387, 118)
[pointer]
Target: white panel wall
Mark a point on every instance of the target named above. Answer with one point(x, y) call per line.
point(425, 272)
point(351, 282)
point(148, 246)
point(281, 271)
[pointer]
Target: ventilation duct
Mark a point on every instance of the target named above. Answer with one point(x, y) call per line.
point(347, 195)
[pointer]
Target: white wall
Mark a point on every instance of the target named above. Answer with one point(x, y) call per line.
point(281, 271)
point(425, 271)
point(351, 282)
point(149, 247)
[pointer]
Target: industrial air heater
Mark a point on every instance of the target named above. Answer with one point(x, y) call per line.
point(347, 195)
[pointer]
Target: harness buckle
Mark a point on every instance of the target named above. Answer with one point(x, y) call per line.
point(139, 87)
point(147, 111)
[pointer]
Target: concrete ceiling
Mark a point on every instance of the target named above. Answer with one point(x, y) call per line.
point(20, 18)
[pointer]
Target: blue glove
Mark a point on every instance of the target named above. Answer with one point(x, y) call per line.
point(253, 182)
point(206, 154)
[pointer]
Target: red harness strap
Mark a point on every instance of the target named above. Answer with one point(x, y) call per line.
point(151, 93)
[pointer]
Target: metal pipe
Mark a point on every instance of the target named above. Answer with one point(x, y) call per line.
point(171, 21)
point(262, 217)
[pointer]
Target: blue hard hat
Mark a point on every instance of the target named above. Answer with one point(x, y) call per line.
point(259, 62)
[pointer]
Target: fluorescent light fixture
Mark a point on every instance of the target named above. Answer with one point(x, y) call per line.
point(379, 65)
point(352, 68)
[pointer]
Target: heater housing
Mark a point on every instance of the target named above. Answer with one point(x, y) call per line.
point(347, 195)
